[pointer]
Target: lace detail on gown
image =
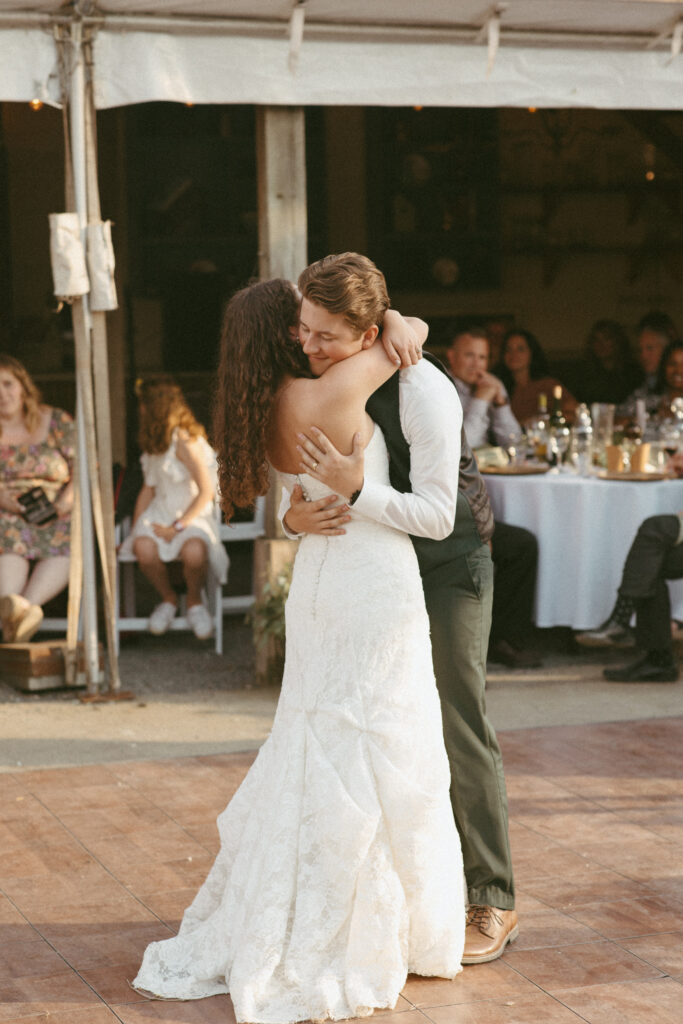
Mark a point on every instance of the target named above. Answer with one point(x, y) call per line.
point(340, 867)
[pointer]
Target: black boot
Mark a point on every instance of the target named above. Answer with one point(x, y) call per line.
point(651, 667)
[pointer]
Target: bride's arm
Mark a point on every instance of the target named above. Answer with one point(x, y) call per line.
point(335, 401)
point(403, 338)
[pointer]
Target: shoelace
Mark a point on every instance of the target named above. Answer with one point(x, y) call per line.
point(481, 917)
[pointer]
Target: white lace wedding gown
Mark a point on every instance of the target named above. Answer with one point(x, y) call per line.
point(340, 867)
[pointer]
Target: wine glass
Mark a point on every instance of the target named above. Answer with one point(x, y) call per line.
point(670, 437)
point(515, 446)
point(561, 438)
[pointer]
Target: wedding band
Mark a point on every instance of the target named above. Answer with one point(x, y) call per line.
point(315, 466)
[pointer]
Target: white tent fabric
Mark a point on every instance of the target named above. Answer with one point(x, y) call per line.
point(592, 53)
point(134, 68)
point(28, 65)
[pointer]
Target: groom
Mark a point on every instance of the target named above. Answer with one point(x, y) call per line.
point(417, 413)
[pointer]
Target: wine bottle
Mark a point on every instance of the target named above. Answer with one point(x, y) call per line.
point(556, 417)
point(559, 431)
point(540, 427)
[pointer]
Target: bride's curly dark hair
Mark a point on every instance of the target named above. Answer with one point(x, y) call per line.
point(258, 349)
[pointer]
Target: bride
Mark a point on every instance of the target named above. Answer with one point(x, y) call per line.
point(340, 868)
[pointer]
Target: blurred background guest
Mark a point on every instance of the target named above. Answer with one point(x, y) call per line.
point(36, 452)
point(609, 372)
point(656, 330)
point(523, 370)
point(488, 418)
point(174, 515)
point(670, 377)
point(495, 329)
point(655, 556)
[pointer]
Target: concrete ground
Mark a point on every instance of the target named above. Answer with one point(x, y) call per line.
point(189, 701)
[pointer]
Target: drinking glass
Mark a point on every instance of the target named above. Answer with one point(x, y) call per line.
point(515, 446)
point(561, 438)
point(670, 437)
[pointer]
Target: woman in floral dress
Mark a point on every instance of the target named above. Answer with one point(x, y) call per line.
point(36, 450)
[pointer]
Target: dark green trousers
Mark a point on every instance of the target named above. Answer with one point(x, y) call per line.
point(459, 596)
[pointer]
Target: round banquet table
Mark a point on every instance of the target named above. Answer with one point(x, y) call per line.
point(584, 527)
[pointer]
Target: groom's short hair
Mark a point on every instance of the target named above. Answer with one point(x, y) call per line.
point(350, 284)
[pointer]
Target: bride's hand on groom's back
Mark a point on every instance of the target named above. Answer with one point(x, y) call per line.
point(324, 516)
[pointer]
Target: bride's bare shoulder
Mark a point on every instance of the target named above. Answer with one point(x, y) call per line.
point(297, 392)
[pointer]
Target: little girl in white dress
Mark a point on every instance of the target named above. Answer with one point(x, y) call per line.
point(175, 516)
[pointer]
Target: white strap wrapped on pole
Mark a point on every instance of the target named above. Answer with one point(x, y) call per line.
point(101, 263)
point(69, 272)
point(676, 40)
point(296, 33)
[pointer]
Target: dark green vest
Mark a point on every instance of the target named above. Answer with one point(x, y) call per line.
point(383, 407)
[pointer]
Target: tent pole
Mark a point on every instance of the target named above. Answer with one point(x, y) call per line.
point(81, 322)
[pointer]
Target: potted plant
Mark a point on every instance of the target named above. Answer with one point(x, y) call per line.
point(267, 618)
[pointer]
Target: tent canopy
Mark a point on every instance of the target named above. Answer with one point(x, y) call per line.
point(593, 53)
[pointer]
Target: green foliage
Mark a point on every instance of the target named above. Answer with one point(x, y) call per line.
point(267, 617)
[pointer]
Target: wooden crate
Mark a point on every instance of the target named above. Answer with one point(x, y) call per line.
point(39, 666)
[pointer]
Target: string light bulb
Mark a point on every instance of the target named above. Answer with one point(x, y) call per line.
point(532, 110)
point(36, 104)
point(649, 175)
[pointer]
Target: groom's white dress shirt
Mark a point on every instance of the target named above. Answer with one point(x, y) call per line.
point(431, 421)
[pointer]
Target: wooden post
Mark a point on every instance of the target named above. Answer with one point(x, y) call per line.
point(281, 160)
point(283, 252)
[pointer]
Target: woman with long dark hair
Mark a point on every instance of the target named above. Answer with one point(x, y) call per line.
point(670, 376)
point(609, 372)
point(524, 372)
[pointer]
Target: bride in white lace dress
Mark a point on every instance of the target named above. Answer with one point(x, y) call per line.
point(340, 868)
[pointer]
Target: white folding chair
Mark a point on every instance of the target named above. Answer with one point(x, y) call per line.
point(230, 534)
point(127, 619)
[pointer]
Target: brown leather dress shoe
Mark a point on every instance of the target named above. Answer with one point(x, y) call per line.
point(487, 933)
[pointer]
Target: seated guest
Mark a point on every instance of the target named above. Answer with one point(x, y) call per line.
point(487, 418)
point(486, 409)
point(36, 451)
point(495, 329)
point(609, 372)
point(655, 331)
point(670, 377)
point(514, 551)
point(174, 513)
point(524, 372)
point(655, 556)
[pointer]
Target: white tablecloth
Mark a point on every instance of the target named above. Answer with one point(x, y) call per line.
point(584, 528)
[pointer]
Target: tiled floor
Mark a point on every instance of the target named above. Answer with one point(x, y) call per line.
point(97, 861)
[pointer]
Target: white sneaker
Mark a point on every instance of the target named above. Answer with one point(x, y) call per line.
point(200, 620)
point(162, 617)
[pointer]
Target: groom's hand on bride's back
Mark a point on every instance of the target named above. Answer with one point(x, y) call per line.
point(325, 516)
point(321, 460)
